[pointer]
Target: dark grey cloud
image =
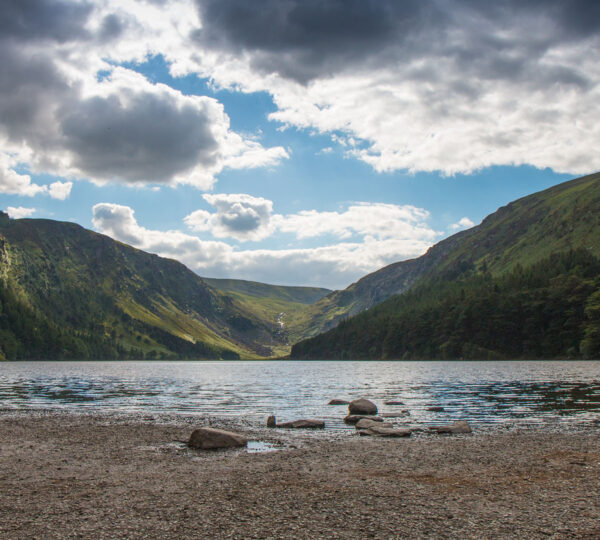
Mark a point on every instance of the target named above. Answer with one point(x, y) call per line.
point(111, 28)
point(302, 39)
point(30, 85)
point(307, 39)
point(35, 20)
point(149, 138)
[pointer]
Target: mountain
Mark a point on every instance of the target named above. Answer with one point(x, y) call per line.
point(524, 236)
point(67, 292)
point(523, 232)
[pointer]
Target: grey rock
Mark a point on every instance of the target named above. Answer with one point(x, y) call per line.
point(366, 423)
point(207, 438)
point(271, 422)
point(338, 402)
point(362, 406)
point(353, 418)
point(376, 431)
point(303, 424)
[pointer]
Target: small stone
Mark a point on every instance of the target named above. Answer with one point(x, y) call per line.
point(435, 409)
point(206, 438)
point(394, 403)
point(362, 406)
point(271, 422)
point(303, 424)
point(353, 418)
point(338, 402)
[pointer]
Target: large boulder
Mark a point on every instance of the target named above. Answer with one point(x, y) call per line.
point(353, 418)
point(376, 431)
point(456, 428)
point(366, 423)
point(362, 406)
point(207, 438)
point(303, 424)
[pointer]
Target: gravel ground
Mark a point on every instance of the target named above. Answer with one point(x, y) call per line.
point(106, 476)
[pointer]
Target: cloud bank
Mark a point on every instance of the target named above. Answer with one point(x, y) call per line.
point(332, 265)
point(421, 86)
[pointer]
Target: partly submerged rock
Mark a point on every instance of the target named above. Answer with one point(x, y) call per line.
point(362, 406)
point(303, 424)
point(456, 428)
point(376, 431)
point(435, 409)
point(271, 422)
point(207, 438)
point(353, 418)
point(366, 423)
point(394, 403)
point(338, 402)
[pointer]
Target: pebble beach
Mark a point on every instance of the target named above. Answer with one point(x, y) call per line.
point(69, 475)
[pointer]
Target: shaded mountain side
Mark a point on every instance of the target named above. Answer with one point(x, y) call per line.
point(523, 232)
point(547, 310)
point(131, 304)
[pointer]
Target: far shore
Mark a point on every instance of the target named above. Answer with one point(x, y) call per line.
point(131, 476)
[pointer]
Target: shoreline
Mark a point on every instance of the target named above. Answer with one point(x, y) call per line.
point(87, 475)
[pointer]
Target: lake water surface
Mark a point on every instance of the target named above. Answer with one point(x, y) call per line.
point(561, 394)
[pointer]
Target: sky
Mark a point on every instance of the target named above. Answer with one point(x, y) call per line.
point(294, 142)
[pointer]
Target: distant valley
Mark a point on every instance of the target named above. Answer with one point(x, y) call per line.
point(70, 293)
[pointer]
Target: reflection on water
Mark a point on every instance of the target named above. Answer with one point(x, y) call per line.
point(481, 392)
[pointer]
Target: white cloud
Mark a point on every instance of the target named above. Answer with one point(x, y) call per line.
point(365, 219)
point(463, 223)
point(60, 190)
point(238, 216)
point(333, 266)
point(19, 211)
point(14, 183)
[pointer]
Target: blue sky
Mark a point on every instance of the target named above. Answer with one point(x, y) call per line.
point(298, 143)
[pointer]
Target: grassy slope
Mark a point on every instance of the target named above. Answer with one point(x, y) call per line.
point(87, 281)
point(272, 303)
point(523, 232)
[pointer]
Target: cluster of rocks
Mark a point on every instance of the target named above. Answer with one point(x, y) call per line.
point(362, 413)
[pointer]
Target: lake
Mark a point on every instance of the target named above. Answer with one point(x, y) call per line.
point(555, 394)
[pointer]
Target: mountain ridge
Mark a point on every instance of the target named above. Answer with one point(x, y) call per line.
point(497, 242)
point(524, 233)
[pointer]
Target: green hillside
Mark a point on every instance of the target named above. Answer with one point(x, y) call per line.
point(460, 296)
point(68, 292)
point(525, 231)
point(279, 304)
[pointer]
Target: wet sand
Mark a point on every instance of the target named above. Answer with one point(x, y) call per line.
point(66, 475)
